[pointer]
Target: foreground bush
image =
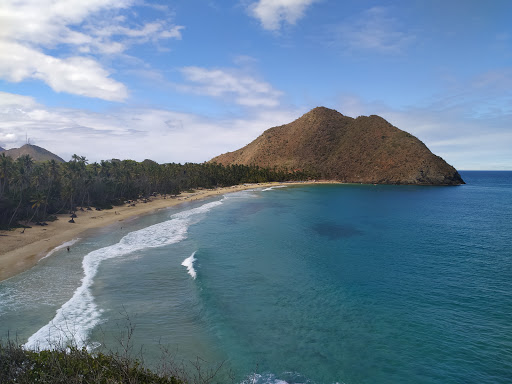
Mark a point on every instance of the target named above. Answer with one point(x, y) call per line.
point(72, 365)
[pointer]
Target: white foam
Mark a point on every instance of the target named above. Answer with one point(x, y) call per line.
point(189, 264)
point(269, 378)
point(79, 315)
point(59, 247)
point(241, 194)
point(195, 211)
point(274, 187)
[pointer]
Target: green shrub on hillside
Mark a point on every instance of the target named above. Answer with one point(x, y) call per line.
point(71, 366)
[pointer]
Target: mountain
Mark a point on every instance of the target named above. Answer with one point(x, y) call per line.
point(1, 149)
point(367, 149)
point(35, 152)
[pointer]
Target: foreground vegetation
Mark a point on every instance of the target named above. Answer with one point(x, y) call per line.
point(33, 191)
point(73, 365)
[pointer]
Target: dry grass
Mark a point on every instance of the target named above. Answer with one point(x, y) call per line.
point(367, 149)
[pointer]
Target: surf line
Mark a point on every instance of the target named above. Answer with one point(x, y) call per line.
point(76, 318)
point(274, 187)
point(59, 247)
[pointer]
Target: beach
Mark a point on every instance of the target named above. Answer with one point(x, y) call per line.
point(22, 249)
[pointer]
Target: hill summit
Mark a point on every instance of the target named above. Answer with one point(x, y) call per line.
point(366, 149)
point(35, 152)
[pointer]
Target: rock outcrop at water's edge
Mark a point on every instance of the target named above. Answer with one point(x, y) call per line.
point(366, 149)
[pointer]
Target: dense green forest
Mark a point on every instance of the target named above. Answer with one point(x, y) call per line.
point(33, 191)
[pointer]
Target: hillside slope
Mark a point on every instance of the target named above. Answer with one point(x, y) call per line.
point(367, 149)
point(35, 152)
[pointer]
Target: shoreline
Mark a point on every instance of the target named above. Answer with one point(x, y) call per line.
point(21, 251)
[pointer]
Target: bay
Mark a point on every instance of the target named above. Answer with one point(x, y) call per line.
point(315, 283)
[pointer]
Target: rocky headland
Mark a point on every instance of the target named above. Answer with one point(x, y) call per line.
point(366, 149)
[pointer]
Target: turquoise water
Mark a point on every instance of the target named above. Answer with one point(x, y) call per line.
point(318, 284)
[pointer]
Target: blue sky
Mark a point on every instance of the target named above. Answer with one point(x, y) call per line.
point(183, 81)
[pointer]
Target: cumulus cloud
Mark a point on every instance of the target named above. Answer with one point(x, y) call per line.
point(47, 40)
point(77, 75)
point(244, 89)
point(374, 30)
point(130, 133)
point(273, 13)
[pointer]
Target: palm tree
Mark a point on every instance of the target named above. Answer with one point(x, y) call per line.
point(37, 200)
point(6, 165)
point(23, 166)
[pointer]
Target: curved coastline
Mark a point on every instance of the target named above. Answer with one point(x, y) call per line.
point(21, 251)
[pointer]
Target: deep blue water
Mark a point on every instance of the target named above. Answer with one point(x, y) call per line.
point(319, 284)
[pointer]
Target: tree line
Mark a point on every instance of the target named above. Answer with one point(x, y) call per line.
point(33, 191)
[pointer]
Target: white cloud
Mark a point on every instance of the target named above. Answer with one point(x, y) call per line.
point(272, 13)
point(71, 28)
point(150, 31)
point(374, 30)
point(130, 133)
point(76, 75)
point(8, 100)
point(245, 90)
point(82, 23)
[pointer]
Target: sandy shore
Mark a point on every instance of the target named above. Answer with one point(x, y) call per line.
point(20, 250)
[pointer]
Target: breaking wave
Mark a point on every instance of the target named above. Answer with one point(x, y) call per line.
point(189, 264)
point(79, 315)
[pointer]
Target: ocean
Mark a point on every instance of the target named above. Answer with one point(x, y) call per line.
point(300, 284)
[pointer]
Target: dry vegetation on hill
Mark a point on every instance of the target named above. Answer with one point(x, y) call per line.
point(367, 149)
point(35, 152)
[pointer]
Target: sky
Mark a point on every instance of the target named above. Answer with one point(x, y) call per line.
point(186, 80)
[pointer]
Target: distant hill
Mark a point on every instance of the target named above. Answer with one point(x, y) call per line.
point(367, 149)
point(35, 152)
point(1, 149)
